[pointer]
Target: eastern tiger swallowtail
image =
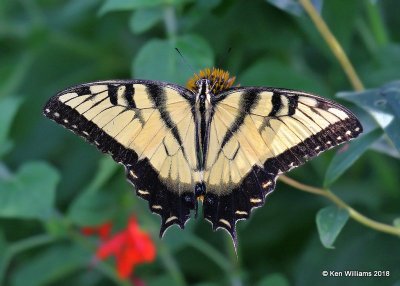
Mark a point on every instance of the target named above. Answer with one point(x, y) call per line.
point(212, 142)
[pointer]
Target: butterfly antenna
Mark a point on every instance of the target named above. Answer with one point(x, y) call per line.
point(221, 59)
point(186, 63)
point(219, 62)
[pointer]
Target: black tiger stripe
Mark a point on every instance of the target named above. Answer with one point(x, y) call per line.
point(248, 101)
point(129, 93)
point(112, 94)
point(293, 102)
point(83, 90)
point(276, 104)
point(158, 97)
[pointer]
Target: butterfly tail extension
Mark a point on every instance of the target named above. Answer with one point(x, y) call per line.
point(224, 211)
point(219, 211)
point(173, 208)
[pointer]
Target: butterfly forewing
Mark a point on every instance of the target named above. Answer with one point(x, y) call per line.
point(148, 127)
point(260, 133)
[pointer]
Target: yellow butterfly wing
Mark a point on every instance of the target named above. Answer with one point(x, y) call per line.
point(257, 134)
point(146, 126)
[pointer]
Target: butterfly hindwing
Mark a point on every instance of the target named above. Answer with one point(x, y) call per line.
point(144, 125)
point(259, 133)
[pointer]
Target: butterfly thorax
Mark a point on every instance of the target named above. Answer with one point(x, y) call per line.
point(205, 85)
point(203, 113)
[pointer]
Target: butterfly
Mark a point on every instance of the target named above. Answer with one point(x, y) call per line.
point(212, 142)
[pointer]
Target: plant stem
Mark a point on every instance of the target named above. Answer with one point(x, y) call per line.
point(376, 24)
point(333, 44)
point(358, 86)
point(209, 251)
point(171, 264)
point(235, 273)
point(339, 202)
point(109, 271)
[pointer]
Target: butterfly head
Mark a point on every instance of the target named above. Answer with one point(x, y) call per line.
point(217, 81)
point(203, 86)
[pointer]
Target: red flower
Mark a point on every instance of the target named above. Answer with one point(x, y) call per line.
point(131, 246)
point(103, 230)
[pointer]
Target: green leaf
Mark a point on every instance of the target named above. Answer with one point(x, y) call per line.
point(391, 93)
point(383, 105)
point(383, 67)
point(195, 14)
point(57, 226)
point(196, 51)
point(208, 5)
point(158, 59)
point(3, 245)
point(293, 7)
point(127, 5)
point(330, 221)
point(106, 170)
point(144, 19)
point(348, 154)
point(349, 12)
point(93, 208)
point(8, 109)
point(176, 240)
point(166, 279)
point(290, 6)
point(396, 222)
point(74, 11)
point(270, 72)
point(30, 193)
point(51, 265)
point(274, 279)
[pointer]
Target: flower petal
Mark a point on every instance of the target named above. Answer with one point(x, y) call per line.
point(103, 230)
point(111, 246)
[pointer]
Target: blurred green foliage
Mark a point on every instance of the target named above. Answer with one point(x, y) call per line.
point(330, 221)
point(52, 183)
